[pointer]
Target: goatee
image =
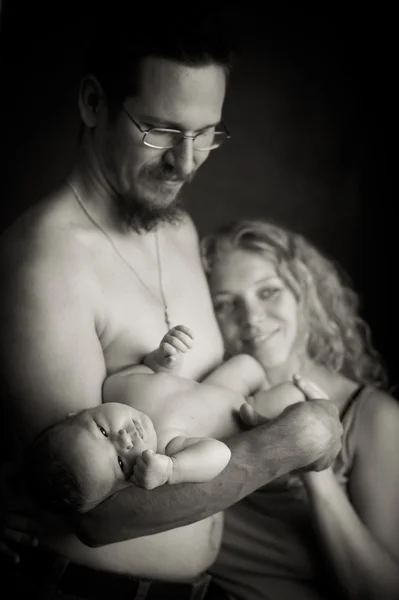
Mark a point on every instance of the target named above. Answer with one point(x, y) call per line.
point(144, 216)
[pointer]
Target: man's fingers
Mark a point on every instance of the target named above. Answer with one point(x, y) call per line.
point(9, 553)
point(26, 525)
point(19, 537)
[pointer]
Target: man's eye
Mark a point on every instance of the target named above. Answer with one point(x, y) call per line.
point(105, 434)
point(120, 463)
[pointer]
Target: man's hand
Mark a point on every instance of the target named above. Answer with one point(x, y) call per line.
point(312, 425)
point(313, 393)
point(315, 431)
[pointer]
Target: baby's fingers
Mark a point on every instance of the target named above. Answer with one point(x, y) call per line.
point(168, 350)
point(184, 329)
point(180, 337)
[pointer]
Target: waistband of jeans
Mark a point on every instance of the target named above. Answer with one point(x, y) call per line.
point(56, 575)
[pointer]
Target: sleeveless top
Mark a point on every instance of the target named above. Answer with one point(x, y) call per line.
point(269, 549)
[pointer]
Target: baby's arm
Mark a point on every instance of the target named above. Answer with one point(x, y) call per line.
point(187, 460)
point(242, 374)
point(168, 357)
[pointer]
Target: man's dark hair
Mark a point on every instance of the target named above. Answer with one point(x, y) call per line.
point(198, 37)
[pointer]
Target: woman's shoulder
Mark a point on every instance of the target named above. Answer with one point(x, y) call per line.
point(372, 414)
point(379, 408)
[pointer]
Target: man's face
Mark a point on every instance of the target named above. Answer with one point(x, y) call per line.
point(147, 181)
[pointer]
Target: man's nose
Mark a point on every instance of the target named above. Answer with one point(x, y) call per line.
point(181, 157)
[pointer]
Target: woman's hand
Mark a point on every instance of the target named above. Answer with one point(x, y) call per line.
point(309, 389)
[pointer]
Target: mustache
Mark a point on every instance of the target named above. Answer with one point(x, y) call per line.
point(168, 173)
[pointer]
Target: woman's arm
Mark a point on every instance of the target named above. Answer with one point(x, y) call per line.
point(361, 535)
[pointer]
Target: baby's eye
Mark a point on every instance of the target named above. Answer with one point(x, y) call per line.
point(120, 463)
point(105, 434)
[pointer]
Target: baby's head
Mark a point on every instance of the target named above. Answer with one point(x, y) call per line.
point(77, 463)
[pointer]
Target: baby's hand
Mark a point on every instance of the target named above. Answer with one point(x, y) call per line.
point(169, 354)
point(177, 341)
point(152, 470)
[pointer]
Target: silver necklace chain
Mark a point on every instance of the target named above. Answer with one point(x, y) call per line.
point(161, 300)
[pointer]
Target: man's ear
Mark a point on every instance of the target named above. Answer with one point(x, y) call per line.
point(91, 100)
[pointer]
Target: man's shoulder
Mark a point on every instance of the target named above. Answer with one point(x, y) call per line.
point(39, 242)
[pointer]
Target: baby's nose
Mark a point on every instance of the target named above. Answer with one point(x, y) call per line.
point(124, 439)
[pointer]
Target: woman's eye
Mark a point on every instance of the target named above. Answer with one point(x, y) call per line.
point(105, 434)
point(224, 307)
point(120, 463)
point(268, 293)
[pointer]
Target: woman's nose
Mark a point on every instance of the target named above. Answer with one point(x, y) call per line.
point(252, 314)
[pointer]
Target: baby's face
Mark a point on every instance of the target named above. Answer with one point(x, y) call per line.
point(107, 440)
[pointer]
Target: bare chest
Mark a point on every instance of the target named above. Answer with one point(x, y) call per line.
point(132, 305)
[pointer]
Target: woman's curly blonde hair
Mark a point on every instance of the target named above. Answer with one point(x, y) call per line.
point(338, 338)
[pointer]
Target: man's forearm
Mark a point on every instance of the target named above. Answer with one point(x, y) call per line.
point(258, 457)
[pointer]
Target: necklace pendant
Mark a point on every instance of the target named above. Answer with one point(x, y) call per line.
point(167, 318)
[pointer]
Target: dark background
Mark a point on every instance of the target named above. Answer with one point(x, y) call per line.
point(311, 111)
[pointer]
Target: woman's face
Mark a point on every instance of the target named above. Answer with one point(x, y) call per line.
point(256, 311)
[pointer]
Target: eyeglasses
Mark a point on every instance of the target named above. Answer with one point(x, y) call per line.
point(162, 139)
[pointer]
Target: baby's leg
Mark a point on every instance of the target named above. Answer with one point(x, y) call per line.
point(168, 357)
point(270, 403)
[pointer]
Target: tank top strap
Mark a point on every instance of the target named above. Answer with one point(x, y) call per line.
point(352, 399)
